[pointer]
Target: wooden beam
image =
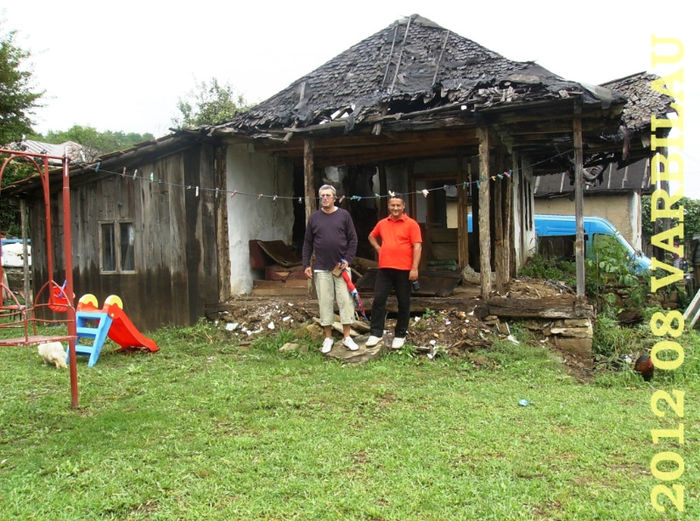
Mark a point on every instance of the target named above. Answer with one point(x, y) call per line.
point(462, 227)
point(578, 191)
point(223, 259)
point(508, 225)
point(382, 209)
point(484, 212)
point(309, 189)
point(498, 256)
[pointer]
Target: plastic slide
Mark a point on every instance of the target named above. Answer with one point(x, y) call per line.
point(122, 331)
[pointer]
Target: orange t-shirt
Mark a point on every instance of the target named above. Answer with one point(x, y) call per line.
point(397, 240)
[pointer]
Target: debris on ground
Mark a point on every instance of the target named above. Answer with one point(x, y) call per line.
point(459, 331)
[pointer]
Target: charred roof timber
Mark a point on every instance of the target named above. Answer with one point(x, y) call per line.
point(408, 67)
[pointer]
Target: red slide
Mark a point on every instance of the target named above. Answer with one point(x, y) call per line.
point(124, 332)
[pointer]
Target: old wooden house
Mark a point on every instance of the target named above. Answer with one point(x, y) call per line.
point(414, 108)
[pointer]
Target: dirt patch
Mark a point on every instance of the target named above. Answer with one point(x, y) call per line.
point(456, 330)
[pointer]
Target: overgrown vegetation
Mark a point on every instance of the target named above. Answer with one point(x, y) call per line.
point(691, 216)
point(541, 267)
point(210, 429)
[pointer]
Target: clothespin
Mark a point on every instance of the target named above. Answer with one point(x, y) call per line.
point(299, 200)
point(196, 191)
point(342, 198)
point(260, 196)
point(274, 198)
point(392, 194)
point(135, 172)
point(150, 177)
point(123, 171)
point(233, 193)
point(97, 166)
point(425, 193)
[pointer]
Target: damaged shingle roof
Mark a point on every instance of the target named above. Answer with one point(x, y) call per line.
point(411, 65)
point(642, 100)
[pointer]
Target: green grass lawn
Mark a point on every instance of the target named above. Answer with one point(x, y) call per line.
point(204, 429)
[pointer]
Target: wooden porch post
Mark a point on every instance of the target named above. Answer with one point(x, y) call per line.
point(578, 192)
point(484, 212)
point(499, 257)
point(309, 190)
point(223, 259)
point(309, 194)
point(508, 227)
point(462, 227)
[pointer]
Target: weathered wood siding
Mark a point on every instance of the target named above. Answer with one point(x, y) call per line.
point(175, 250)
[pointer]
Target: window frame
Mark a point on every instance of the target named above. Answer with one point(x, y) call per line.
point(116, 225)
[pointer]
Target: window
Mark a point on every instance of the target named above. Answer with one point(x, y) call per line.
point(117, 247)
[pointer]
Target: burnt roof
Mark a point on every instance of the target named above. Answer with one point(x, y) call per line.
point(412, 65)
point(642, 101)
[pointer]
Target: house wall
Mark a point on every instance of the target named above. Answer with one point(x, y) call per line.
point(622, 210)
point(250, 172)
point(175, 273)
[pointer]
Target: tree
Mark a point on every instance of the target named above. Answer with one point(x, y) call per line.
point(94, 142)
point(208, 104)
point(17, 99)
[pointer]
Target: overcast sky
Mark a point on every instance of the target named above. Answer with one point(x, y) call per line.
point(122, 66)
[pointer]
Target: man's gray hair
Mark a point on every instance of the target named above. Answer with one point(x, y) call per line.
point(327, 187)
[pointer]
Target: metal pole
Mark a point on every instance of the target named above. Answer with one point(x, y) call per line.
point(68, 261)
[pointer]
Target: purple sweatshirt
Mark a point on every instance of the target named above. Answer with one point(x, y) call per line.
point(331, 236)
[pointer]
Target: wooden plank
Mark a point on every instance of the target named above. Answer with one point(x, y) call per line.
point(484, 205)
point(292, 283)
point(280, 288)
point(560, 306)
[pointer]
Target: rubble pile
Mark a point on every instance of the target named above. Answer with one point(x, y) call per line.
point(246, 318)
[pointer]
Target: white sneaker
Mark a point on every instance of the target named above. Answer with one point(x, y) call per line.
point(397, 343)
point(327, 345)
point(350, 344)
point(372, 341)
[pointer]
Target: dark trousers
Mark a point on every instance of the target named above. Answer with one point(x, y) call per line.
point(388, 278)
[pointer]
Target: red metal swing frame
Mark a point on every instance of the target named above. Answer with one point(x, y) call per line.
point(51, 295)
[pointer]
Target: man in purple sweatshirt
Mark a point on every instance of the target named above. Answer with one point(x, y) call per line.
point(330, 235)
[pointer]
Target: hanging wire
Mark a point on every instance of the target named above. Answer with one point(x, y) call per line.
point(217, 192)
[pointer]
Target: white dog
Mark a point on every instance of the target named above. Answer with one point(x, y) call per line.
point(53, 353)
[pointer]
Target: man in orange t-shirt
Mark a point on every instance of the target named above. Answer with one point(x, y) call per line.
point(397, 240)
